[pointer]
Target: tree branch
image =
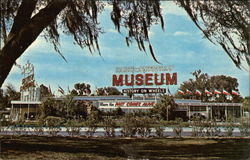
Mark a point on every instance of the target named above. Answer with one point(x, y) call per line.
point(23, 16)
point(27, 34)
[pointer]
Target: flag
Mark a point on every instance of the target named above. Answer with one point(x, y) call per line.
point(169, 91)
point(197, 92)
point(188, 91)
point(105, 91)
point(207, 91)
point(180, 91)
point(87, 91)
point(19, 66)
point(50, 90)
point(217, 92)
point(69, 89)
point(97, 91)
point(235, 92)
point(60, 90)
point(225, 92)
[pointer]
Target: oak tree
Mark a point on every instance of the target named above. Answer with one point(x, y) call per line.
point(203, 81)
point(225, 23)
point(107, 91)
point(22, 21)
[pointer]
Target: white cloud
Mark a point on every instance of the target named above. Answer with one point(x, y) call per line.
point(108, 6)
point(180, 33)
point(151, 34)
point(112, 30)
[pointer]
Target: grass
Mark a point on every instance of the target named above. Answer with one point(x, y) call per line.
point(65, 148)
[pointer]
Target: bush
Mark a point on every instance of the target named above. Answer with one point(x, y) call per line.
point(245, 127)
point(173, 123)
point(4, 122)
point(129, 128)
point(53, 131)
point(229, 129)
point(39, 131)
point(72, 128)
point(19, 130)
point(198, 125)
point(73, 131)
point(159, 131)
point(118, 112)
point(109, 127)
point(143, 126)
point(52, 121)
point(91, 124)
point(53, 124)
point(212, 129)
point(177, 129)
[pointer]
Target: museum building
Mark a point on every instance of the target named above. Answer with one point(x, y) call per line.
point(28, 106)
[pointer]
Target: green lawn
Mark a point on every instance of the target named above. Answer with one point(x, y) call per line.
point(61, 148)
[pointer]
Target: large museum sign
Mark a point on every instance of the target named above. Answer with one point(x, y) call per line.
point(147, 76)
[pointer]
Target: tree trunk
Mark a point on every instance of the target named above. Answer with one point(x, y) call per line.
point(18, 42)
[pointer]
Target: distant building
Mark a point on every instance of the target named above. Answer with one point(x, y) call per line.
point(185, 107)
point(27, 107)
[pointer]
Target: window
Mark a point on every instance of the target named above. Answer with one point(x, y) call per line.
point(197, 108)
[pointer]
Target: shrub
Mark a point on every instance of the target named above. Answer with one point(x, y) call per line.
point(53, 131)
point(159, 131)
point(53, 124)
point(129, 128)
point(118, 112)
point(177, 129)
point(4, 122)
point(229, 129)
point(39, 131)
point(18, 130)
point(245, 127)
point(109, 127)
point(198, 125)
point(73, 131)
point(52, 121)
point(91, 124)
point(212, 129)
point(72, 128)
point(143, 126)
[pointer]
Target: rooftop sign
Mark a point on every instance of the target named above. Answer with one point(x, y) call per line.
point(144, 76)
point(147, 79)
point(28, 73)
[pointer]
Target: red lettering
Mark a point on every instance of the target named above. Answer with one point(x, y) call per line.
point(117, 81)
point(171, 80)
point(147, 104)
point(119, 103)
point(139, 79)
point(156, 79)
point(134, 104)
point(131, 83)
point(148, 78)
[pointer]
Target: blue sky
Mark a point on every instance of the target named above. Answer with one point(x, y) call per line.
point(181, 45)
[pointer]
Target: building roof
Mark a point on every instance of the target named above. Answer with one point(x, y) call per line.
point(26, 102)
point(99, 98)
point(183, 102)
